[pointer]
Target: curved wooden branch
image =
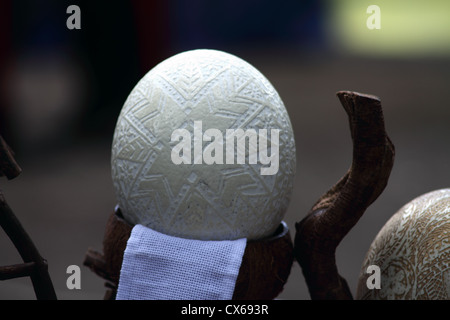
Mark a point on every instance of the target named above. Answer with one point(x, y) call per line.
point(8, 165)
point(34, 265)
point(339, 209)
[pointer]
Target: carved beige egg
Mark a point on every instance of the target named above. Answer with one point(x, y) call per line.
point(204, 149)
point(412, 251)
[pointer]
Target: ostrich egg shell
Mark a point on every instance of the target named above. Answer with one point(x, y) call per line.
point(222, 200)
point(412, 251)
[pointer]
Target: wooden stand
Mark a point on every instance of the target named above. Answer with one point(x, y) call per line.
point(265, 267)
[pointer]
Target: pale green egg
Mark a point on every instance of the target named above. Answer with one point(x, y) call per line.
point(204, 149)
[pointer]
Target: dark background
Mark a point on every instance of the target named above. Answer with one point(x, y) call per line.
point(61, 92)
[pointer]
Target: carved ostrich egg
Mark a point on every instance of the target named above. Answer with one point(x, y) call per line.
point(204, 149)
point(412, 252)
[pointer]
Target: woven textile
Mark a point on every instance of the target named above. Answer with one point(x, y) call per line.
point(161, 267)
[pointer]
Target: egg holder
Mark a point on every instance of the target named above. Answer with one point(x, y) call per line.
point(266, 263)
point(265, 267)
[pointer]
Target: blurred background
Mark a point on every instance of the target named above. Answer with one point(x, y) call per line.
point(61, 92)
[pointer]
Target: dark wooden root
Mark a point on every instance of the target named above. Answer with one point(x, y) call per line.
point(339, 209)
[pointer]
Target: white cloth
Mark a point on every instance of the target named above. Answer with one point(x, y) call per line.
point(161, 267)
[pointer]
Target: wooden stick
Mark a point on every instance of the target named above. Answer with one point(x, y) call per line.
point(339, 209)
point(8, 165)
point(95, 261)
point(17, 270)
point(43, 286)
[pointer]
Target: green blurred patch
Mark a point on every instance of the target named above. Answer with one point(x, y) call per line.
point(408, 27)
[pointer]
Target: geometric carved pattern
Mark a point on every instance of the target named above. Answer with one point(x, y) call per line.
point(413, 252)
point(210, 202)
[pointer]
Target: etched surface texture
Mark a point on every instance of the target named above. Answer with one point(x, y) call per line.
point(413, 252)
point(200, 201)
